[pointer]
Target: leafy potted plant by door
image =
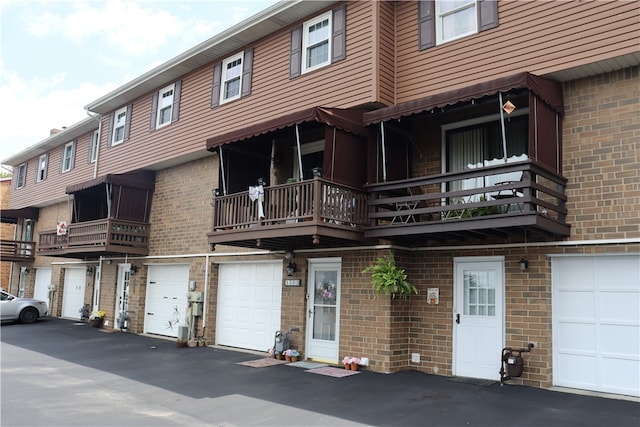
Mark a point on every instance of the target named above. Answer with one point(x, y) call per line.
point(388, 278)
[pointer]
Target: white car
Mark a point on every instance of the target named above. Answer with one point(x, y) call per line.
point(26, 310)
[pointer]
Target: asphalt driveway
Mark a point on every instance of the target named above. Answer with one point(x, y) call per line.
point(63, 373)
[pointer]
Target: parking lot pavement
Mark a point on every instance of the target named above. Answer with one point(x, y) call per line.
point(62, 373)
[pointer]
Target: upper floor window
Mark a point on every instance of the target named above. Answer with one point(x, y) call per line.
point(318, 42)
point(232, 78)
point(41, 174)
point(455, 19)
point(94, 145)
point(165, 106)
point(21, 175)
point(67, 157)
point(119, 122)
point(441, 21)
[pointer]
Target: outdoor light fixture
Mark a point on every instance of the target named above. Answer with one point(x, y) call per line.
point(89, 271)
point(524, 264)
point(291, 268)
point(317, 172)
point(133, 270)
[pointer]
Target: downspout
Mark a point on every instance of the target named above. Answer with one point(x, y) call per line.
point(299, 153)
point(384, 154)
point(206, 288)
point(504, 134)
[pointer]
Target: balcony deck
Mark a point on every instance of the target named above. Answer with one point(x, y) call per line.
point(309, 214)
point(17, 250)
point(101, 237)
point(488, 206)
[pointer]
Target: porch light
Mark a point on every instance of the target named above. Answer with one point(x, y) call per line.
point(133, 270)
point(291, 268)
point(89, 271)
point(317, 172)
point(524, 264)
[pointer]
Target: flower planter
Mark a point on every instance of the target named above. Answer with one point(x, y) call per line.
point(294, 358)
point(96, 323)
point(354, 366)
point(347, 366)
point(287, 358)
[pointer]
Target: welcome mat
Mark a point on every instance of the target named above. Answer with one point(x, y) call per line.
point(333, 372)
point(473, 381)
point(307, 365)
point(262, 363)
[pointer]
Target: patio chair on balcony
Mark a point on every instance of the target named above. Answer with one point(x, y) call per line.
point(411, 205)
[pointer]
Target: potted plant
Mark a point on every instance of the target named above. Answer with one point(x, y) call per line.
point(387, 278)
point(295, 354)
point(351, 363)
point(96, 318)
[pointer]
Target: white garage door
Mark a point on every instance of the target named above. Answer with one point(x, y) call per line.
point(73, 294)
point(596, 323)
point(166, 301)
point(249, 301)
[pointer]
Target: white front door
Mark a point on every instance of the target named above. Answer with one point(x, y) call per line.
point(122, 294)
point(249, 304)
point(596, 322)
point(478, 317)
point(166, 300)
point(73, 295)
point(43, 281)
point(323, 309)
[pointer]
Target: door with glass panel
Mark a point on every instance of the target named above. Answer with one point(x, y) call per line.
point(478, 318)
point(323, 309)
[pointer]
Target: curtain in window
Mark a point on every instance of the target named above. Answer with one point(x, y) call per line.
point(466, 151)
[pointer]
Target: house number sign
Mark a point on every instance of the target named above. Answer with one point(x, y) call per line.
point(292, 282)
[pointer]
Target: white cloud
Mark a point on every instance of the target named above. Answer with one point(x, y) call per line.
point(32, 107)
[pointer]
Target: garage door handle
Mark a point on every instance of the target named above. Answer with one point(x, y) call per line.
point(458, 318)
point(150, 314)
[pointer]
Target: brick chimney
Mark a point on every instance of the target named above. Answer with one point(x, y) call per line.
point(54, 131)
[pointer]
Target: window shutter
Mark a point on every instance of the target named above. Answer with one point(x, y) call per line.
point(175, 110)
point(339, 44)
point(426, 24)
point(46, 166)
point(487, 14)
point(127, 122)
point(110, 129)
point(247, 71)
point(154, 111)
point(215, 90)
point(73, 155)
point(295, 55)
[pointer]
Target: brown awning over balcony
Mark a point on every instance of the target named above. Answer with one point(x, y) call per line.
point(144, 180)
point(11, 216)
point(347, 120)
point(547, 90)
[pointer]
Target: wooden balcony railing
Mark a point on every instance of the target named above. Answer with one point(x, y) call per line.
point(510, 194)
point(17, 250)
point(103, 235)
point(317, 200)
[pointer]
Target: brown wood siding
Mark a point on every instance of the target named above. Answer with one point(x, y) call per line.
point(386, 52)
point(53, 187)
point(344, 84)
point(539, 37)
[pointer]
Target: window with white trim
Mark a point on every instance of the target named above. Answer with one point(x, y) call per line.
point(316, 43)
point(41, 174)
point(119, 121)
point(231, 78)
point(67, 157)
point(165, 106)
point(455, 19)
point(21, 175)
point(93, 149)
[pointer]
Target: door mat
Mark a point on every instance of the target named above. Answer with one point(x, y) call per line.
point(333, 372)
point(262, 363)
point(473, 381)
point(307, 365)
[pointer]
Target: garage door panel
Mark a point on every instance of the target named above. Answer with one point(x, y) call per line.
point(626, 273)
point(578, 274)
point(619, 306)
point(577, 370)
point(577, 305)
point(620, 340)
point(576, 336)
point(621, 375)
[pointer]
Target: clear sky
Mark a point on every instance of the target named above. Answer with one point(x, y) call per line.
point(58, 56)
